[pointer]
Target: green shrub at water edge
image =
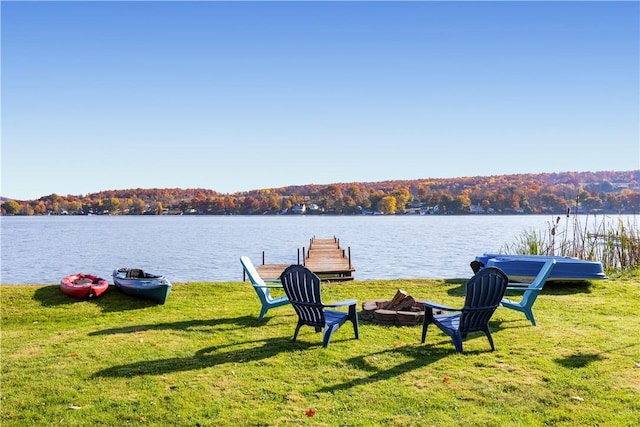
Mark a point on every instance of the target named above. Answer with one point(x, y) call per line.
point(615, 243)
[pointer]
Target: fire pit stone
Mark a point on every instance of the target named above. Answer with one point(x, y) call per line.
point(402, 310)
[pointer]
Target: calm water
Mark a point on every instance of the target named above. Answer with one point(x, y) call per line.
point(207, 248)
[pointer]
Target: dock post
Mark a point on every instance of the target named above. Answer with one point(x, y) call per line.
point(349, 250)
point(262, 257)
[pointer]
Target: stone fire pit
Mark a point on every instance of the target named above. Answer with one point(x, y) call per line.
point(401, 310)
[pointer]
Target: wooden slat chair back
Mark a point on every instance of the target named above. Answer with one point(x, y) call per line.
point(483, 293)
point(302, 287)
point(262, 288)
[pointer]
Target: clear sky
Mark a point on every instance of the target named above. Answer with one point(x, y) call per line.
point(235, 96)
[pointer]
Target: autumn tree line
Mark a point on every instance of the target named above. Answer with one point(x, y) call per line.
point(607, 192)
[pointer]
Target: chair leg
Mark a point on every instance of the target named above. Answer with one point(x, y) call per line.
point(457, 341)
point(428, 318)
point(328, 331)
point(263, 311)
point(353, 316)
point(488, 334)
point(355, 328)
point(295, 334)
point(529, 315)
point(424, 332)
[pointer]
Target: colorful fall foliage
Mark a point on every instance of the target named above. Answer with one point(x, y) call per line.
point(611, 192)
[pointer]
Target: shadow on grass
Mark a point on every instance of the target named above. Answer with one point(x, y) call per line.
point(243, 321)
point(52, 296)
point(578, 360)
point(458, 287)
point(111, 301)
point(582, 360)
point(567, 288)
point(420, 356)
point(114, 301)
point(205, 358)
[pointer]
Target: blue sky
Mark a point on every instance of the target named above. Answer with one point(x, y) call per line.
point(235, 96)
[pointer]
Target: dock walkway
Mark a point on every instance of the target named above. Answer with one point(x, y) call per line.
point(324, 257)
point(328, 260)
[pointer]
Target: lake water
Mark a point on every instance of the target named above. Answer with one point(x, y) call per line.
point(43, 249)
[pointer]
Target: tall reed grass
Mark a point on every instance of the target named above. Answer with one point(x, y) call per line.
point(612, 241)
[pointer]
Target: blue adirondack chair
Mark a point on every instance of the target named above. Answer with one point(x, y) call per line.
point(262, 289)
point(302, 286)
point(530, 292)
point(483, 294)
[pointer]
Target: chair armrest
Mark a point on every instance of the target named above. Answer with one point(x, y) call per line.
point(268, 286)
point(342, 303)
point(429, 304)
point(518, 285)
point(520, 288)
point(273, 281)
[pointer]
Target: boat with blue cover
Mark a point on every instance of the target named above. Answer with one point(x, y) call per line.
point(524, 268)
point(138, 283)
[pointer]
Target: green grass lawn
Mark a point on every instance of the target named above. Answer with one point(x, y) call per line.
point(203, 359)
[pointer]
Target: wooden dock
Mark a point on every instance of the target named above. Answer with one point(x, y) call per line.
point(271, 271)
point(324, 257)
point(328, 260)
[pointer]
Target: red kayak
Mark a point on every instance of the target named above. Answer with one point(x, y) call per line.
point(83, 285)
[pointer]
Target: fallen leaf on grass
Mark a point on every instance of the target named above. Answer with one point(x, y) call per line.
point(310, 412)
point(74, 355)
point(578, 398)
point(75, 407)
point(445, 380)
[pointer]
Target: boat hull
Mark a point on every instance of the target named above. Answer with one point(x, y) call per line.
point(83, 285)
point(524, 268)
point(151, 287)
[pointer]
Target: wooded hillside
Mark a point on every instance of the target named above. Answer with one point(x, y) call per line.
point(583, 192)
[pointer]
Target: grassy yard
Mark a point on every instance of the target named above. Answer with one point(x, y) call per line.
point(203, 360)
